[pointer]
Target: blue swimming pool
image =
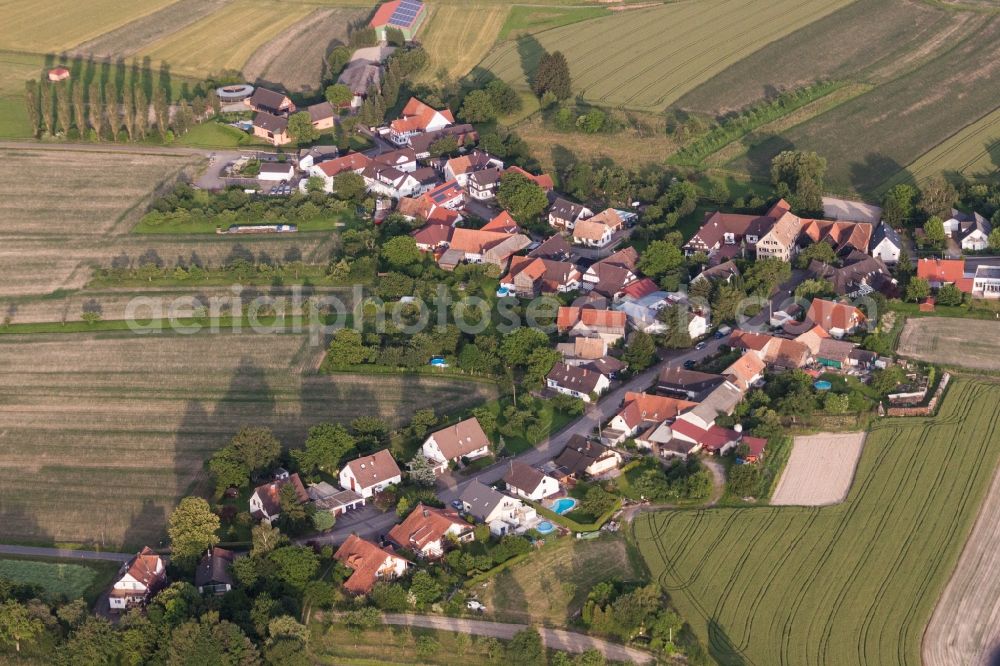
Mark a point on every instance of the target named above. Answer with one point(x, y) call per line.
point(545, 527)
point(823, 385)
point(563, 504)
point(503, 292)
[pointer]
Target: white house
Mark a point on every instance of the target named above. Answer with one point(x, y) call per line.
point(584, 458)
point(885, 244)
point(528, 482)
point(418, 118)
point(986, 282)
point(265, 502)
point(972, 232)
point(503, 513)
point(426, 530)
point(370, 474)
point(370, 564)
point(138, 580)
point(576, 381)
point(465, 439)
point(276, 171)
point(564, 214)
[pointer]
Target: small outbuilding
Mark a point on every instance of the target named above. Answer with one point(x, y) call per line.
point(58, 74)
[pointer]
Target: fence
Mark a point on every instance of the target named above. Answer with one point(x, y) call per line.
point(927, 409)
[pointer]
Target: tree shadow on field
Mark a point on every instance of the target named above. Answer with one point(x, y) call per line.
point(721, 647)
point(866, 176)
point(759, 156)
point(530, 50)
point(17, 524)
point(994, 656)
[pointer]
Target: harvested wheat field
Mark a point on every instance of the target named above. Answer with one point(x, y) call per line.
point(296, 59)
point(971, 343)
point(820, 469)
point(107, 431)
point(963, 628)
point(458, 36)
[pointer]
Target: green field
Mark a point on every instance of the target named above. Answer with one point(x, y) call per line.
point(847, 584)
point(457, 37)
point(59, 580)
point(526, 20)
point(647, 58)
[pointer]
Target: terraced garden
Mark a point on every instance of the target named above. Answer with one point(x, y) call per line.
point(849, 584)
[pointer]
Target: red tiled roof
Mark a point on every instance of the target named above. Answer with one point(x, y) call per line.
point(374, 469)
point(350, 162)
point(417, 116)
point(147, 568)
point(568, 316)
point(502, 222)
point(544, 181)
point(712, 439)
point(640, 288)
point(830, 315)
point(941, 270)
point(365, 559)
point(425, 525)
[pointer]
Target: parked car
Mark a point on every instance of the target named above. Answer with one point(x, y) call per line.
point(688, 364)
point(700, 345)
point(457, 504)
point(474, 605)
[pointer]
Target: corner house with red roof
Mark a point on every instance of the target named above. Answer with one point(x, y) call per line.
point(405, 15)
point(418, 118)
point(138, 580)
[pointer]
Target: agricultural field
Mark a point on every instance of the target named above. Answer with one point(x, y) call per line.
point(550, 587)
point(50, 241)
point(971, 343)
point(59, 579)
point(657, 54)
point(15, 69)
point(529, 19)
point(872, 137)
point(963, 629)
point(49, 27)
point(458, 36)
point(225, 39)
point(108, 430)
point(128, 39)
point(296, 58)
point(820, 470)
point(853, 583)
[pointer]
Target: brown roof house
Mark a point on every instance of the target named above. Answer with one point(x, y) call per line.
point(321, 115)
point(271, 128)
point(138, 580)
point(265, 503)
point(212, 575)
point(582, 458)
point(837, 319)
point(641, 417)
point(465, 439)
point(564, 214)
point(369, 564)
point(577, 381)
point(608, 325)
point(527, 482)
point(270, 101)
point(370, 474)
point(426, 531)
point(529, 277)
point(477, 246)
point(599, 230)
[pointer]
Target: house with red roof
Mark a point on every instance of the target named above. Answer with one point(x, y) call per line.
point(265, 502)
point(370, 474)
point(755, 448)
point(418, 118)
point(138, 580)
point(529, 277)
point(590, 322)
point(404, 15)
point(369, 564)
point(425, 530)
point(642, 415)
point(543, 181)
point(837, 319)
point(939, 272)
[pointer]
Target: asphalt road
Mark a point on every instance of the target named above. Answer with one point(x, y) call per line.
point(370, 523)
point(32, 551)
point(555, 639)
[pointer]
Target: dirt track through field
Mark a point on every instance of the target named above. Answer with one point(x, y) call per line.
point(970, 343)
point(820, 469)
point(964, 628)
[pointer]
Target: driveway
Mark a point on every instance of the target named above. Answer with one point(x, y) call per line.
point(555, 639)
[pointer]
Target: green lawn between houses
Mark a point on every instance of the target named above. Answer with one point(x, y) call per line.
point(60, 579)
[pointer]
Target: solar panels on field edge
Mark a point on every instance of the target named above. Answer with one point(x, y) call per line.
point(405, 13)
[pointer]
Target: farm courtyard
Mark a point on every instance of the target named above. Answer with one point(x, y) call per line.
point(853, 583)
point(108, 431)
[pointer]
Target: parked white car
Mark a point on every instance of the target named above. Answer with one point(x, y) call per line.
point(474, 605)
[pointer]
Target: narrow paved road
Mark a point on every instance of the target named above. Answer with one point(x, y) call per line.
point(369, 523)
point(32, 551)
point(555, 639)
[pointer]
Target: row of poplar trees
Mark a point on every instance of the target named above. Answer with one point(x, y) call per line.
point(98, 112)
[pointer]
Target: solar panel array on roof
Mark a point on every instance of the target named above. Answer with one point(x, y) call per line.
point(406, 12)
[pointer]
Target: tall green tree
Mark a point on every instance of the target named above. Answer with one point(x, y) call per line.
point(552, 76)
point(326, 445)
point(47, 106)
point(477, 107)
point(257, 447)
point(798, 177)
point(338, 95)
point(32, 104)
point(640, 352)
point(111, 110)
point(521, 197)
point(79, 109)
point(897, 204)
point(17, 625)
point(192, 529)
point(937, 196)
point(659, 258)
point(337, 60)
point(300, 127)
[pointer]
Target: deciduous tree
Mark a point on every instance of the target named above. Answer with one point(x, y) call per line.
point(552, 75)
point(326, 445)
point(31, 103)
point(192, 529)
point(521, 197)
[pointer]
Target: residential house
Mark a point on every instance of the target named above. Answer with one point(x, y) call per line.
point(369, 563)
point(721, 400)
point(576, 381)
point(730, 235)
point(212, 575)
point(265, 502)
point(609, 366)
point(465, 439)
point(336, 501)
point(502, 222)
point(504, 514)
point(370, 474)
point(271, 128)
point(859, 275)
point(432, 237)
point(527, 482)
point(321, 115)
point(138, 580)
point(582, 458)
point(599, 230)
point(778, 352)
point(813, 338)
point(543, 181)
point(725, 272)
point(885, 244)
point(391, 182)
point(276, 171)
point(564, 214)
point(416, 119)
point(582, 350)
point(778, 242)
point(714, 440)
point(755, 447)
point(446, 195)
point(464, 135)
point(308, 157)
point(970, 231)
point(837, 319)
point(610, 276)
point(643, 313)
point(641, 415)
point(609, 325)
point(330, 169)
point(426, 531)
point(939, 272)
point(745, 371)
point(461, 168)
point(360, 76)
point(843, 236)
point(478, 246)
point(678, 382)
point(834, 353)
point(424, 208)
point(986, 282)
point(270, 102)
point(555, 248)
point(404, 15)
point(528, 277)
point(483, 184)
